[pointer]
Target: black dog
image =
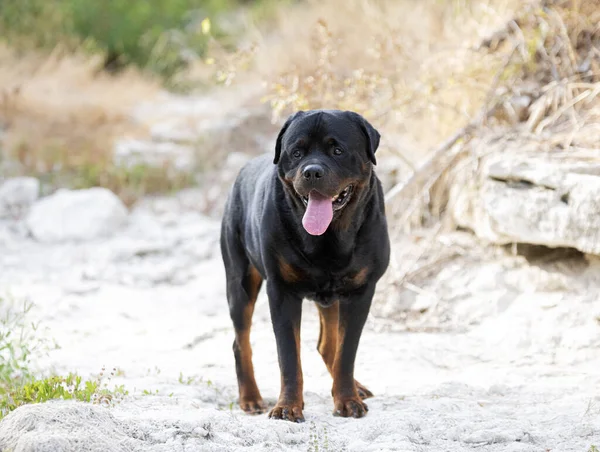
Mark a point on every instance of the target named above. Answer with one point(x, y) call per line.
point(312, 224)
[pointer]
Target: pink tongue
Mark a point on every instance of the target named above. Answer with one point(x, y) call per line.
point(319, 214)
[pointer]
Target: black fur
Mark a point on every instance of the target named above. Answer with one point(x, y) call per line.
point(262, 229)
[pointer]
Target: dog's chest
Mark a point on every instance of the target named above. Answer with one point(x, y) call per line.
point(326, 288)
point(326, 277)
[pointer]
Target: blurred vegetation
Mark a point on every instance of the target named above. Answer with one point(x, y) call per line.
point(73, 146)
point(65, 167)
point(543, 42)
point(161, 36)
point(19, 340)
point(419, 70)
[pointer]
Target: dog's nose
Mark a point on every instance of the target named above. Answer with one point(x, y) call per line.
point(313, 171)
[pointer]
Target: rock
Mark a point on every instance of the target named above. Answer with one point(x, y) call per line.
point(196, 132)
point(65, 426)
point(131, 152)
point(76, 215)
point(424, 302)
point(532, 197)
point(17, 195)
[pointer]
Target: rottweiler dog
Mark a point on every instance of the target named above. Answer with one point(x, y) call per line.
point(311, 223)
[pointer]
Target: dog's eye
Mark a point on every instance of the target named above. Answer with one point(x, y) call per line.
point(337, 151)
point(297, 153)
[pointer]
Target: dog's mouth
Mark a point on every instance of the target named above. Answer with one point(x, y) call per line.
point(320, 209)
point(339, 201)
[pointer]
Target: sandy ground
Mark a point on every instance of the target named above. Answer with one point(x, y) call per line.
point(512, 364)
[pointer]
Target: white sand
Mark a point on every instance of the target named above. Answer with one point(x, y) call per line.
point(523, 375)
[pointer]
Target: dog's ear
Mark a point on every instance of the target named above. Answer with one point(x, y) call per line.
point(371, 134)
point(289, 120)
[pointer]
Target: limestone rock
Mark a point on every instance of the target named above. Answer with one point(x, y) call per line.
point(131, 152)
point(76, 215)
point(537, 198)
point(17, 195)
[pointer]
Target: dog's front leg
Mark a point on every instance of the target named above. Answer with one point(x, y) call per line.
point(353, 315)
point(286, 314)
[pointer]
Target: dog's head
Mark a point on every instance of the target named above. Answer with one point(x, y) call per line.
point(325, 160)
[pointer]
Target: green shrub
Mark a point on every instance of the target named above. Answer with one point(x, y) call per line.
point(157, 35)
point(33, 23)
point(142, 33)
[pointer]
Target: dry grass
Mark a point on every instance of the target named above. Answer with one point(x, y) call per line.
point(61, 117)
point(422, 70)
point(66, 100)
point(408, 66)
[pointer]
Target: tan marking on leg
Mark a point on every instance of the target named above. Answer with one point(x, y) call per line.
point(250, 398)
point(328, 336)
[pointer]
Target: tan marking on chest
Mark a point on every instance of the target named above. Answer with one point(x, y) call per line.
point(288, 272)
point(361, 276)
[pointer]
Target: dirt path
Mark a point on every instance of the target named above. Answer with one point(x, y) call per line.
point(150, 302)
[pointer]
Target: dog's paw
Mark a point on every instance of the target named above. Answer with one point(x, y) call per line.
point(350, 407)
point(253, 405)
point(288, 411)
point(363, 392)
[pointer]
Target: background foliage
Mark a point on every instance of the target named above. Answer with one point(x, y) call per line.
point(157, 35)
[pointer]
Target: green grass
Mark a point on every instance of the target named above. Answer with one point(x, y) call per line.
point(71, 387)
point(188, 381)
point(19, 342)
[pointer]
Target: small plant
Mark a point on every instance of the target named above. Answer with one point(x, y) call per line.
point(148, 392)
point(154, 372)
point(189, 380)
point(71, 387)
point(593, 449)
point(103, 394)
point(318, 440)
point(18, 342)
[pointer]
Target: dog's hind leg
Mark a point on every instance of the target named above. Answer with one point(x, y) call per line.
point(243, 285)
